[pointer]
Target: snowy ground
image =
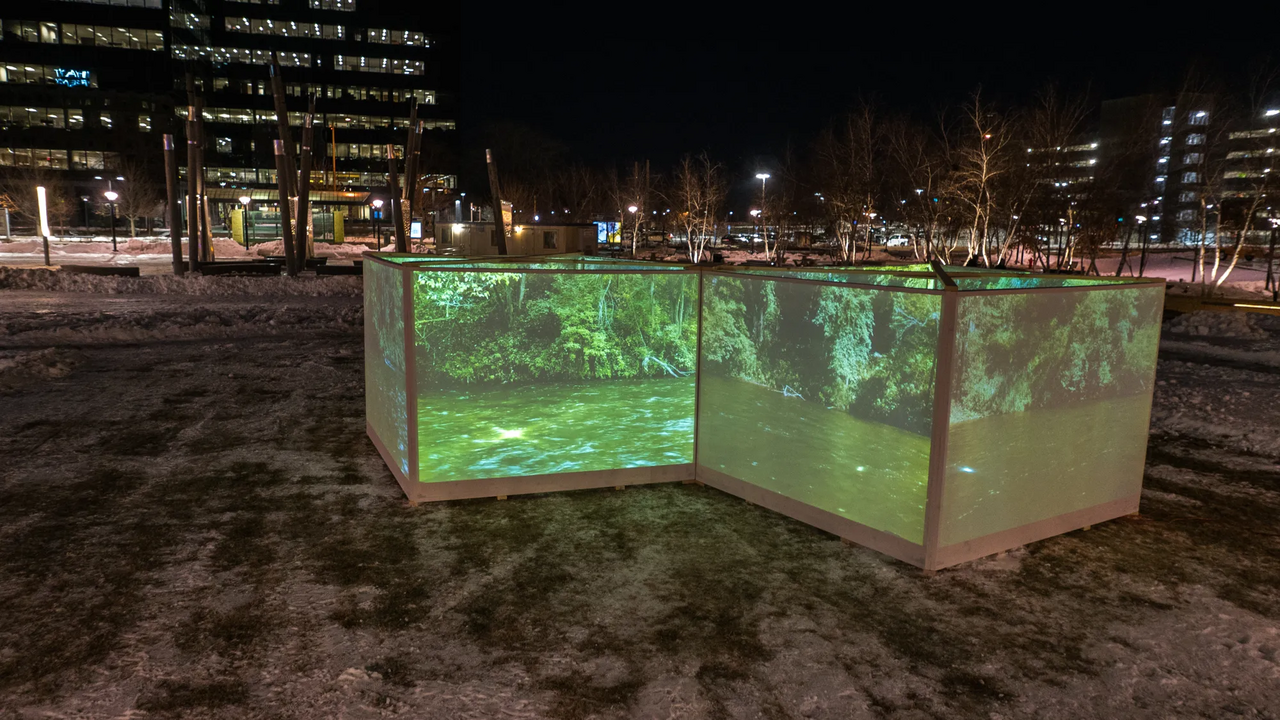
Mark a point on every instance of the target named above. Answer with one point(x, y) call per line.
point(193, 524)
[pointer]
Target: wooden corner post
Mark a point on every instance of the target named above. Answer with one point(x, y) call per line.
point(943, 369)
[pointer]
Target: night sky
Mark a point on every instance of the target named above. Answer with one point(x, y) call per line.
point(611, 89)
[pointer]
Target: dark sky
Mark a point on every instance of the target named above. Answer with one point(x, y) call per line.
point(742, 84)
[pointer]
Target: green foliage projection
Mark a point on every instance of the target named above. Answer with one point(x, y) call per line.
point(866, 352)
point(385, 389)
point(1017, 352)
point(502, 327)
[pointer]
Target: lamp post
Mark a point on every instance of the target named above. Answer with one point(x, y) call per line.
point(245, 200)
point(377, 210)
point(112, 196)
point(763, 178)
point(635, 230)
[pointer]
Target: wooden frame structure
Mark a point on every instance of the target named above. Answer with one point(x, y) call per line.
point(932, 553)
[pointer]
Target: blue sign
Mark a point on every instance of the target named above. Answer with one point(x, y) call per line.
point(71, 78)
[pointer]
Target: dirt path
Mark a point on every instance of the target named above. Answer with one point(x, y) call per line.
point(193, 523)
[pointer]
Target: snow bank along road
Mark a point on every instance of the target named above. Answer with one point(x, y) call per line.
point(192, 523)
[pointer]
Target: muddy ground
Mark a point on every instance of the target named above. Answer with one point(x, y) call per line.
point(194, 524)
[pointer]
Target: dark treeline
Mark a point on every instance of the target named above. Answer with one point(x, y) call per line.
point(1042, 183)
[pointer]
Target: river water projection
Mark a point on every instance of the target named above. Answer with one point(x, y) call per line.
point(554, 428)
point(868, 472)
point(823, 393)
point(999, 467)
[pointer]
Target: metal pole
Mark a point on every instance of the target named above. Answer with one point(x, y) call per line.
point(304, 187)
point(171, 197)
point(193, 215)
point(282, 186)
point(113, 226)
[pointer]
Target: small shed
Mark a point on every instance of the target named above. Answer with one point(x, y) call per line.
point(477, 239)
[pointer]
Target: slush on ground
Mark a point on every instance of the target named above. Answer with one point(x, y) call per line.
point(193, 523)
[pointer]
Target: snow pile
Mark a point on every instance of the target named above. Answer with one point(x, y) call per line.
point(40, 364)
point(1216, 324)
point(41, 279)
point(1221, 405)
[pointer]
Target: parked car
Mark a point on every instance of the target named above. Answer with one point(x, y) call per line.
point(898, 240)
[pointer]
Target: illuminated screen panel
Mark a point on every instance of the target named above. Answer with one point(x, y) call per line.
point(822, 393)
point(523, 374)
point(1050, 406)
point(384, 377)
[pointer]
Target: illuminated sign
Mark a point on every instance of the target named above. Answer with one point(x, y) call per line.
point(71, 78)
point(608, 233)
point(415, 229)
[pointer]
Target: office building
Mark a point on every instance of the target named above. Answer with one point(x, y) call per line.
point(87, 88)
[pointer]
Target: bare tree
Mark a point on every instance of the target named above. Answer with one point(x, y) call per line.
point(1246, 188)
point(850, 166)
point(140, 196)
point(697, 195)
point(985, 143)
point(18, 190)
point(920, 173)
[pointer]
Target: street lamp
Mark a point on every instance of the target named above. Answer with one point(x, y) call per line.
point(635, 231)
point(111, 197)
point(763, 177)
point(377, 210)
point(245, 200)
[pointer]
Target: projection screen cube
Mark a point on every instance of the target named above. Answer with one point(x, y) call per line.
point(936, 416)
point(505, 377)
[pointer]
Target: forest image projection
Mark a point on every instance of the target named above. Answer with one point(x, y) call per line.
point(384, 380)
point(821, 392)
point(530, 371)
point(1047, 384)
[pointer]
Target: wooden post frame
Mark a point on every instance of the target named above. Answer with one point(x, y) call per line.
point(929, 553)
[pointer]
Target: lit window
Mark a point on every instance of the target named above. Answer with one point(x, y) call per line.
point(395, 66)
point(397, 37)
point(1190, 177)
point(144, 123)
point(1195, 139)
point(1192, 158)
point(343, 5)
point(1198, 117)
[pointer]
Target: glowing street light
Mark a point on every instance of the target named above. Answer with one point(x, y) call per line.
point(111, 197)
point(632, 209)
point(248, 228)
point(377, 211)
